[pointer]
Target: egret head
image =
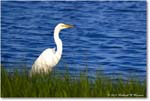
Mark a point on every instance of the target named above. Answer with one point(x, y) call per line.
point(63, 26)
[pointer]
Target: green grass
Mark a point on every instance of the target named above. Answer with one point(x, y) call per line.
point(21, 85)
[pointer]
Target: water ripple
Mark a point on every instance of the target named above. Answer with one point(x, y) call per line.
point(106, 38)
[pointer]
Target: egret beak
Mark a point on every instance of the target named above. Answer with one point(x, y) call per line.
point(68, 26)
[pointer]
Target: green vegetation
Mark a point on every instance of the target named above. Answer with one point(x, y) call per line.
point(21, 85)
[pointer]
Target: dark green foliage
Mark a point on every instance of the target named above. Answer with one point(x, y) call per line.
point(22, 85)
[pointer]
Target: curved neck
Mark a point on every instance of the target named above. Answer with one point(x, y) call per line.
point(58, 42)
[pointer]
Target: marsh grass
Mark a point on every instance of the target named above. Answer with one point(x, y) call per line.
point(21, 85)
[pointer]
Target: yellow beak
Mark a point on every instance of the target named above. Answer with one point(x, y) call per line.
point(68, 26)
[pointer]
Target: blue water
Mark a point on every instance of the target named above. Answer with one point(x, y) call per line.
point(108, 36)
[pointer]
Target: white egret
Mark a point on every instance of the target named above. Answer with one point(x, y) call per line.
point(49, 57)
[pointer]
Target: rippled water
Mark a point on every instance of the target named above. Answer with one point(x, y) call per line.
point(108, 36)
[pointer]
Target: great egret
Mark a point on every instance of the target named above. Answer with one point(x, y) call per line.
point(49, 57)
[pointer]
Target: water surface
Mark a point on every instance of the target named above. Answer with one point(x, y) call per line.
point(108, 36)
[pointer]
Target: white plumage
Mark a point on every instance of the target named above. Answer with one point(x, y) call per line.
point(49, 57)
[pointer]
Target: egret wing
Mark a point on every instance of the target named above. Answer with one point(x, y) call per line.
point(53, 49)
point(45, 60)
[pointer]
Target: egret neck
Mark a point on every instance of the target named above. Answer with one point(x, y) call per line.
point(58, 42)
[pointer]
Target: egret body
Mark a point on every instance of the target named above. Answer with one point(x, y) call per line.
point(50, 57)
